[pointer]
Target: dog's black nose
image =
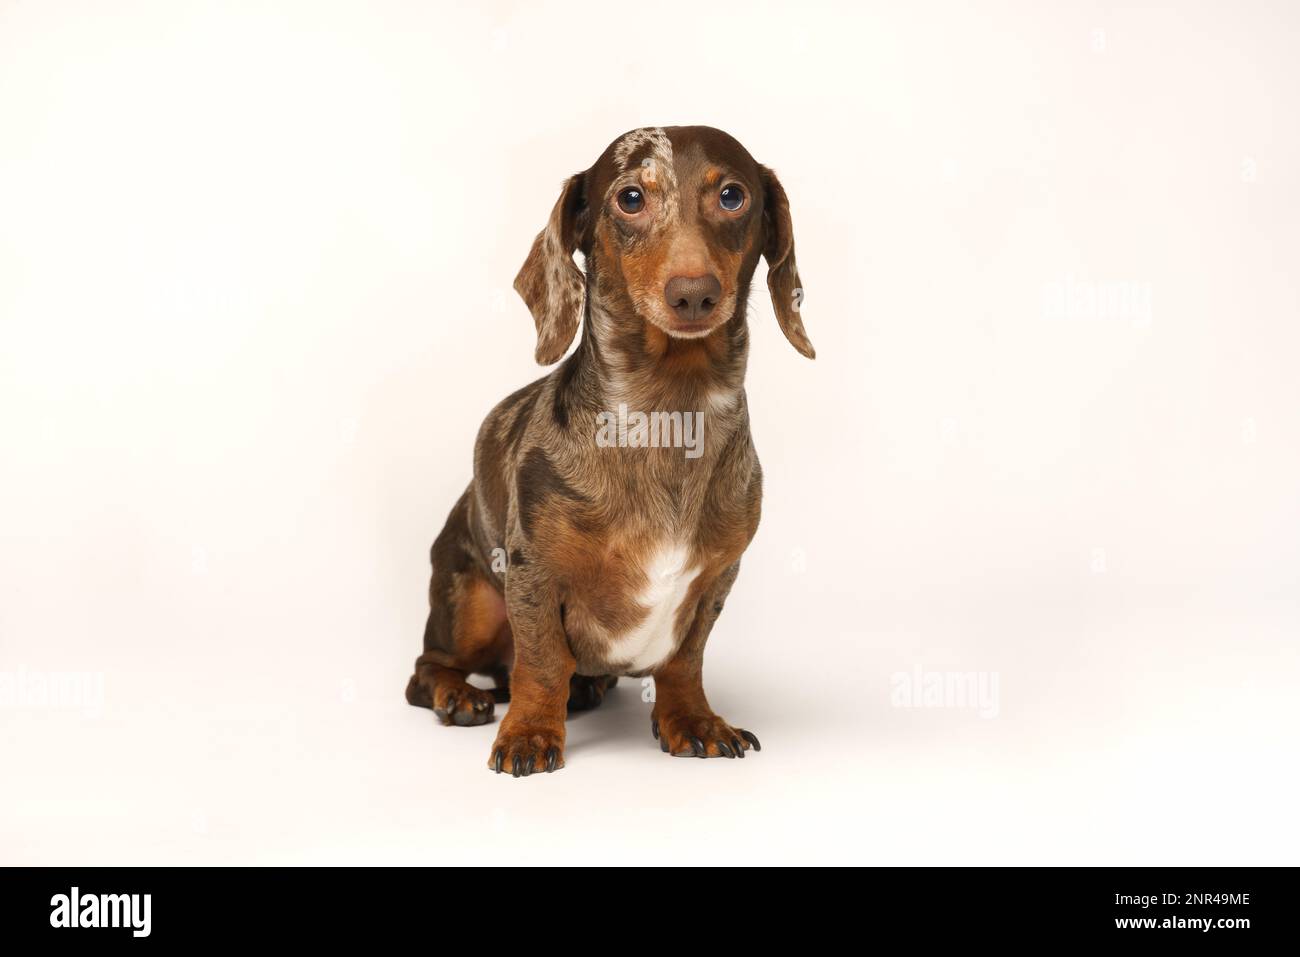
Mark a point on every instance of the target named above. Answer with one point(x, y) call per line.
point(693, 297)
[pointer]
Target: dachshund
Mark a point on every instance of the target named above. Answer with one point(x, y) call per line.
point(613, 498)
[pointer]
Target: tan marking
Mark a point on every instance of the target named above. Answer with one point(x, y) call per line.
point(480, 632)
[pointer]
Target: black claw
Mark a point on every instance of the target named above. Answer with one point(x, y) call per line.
point(752, 739)
point(482, 704)
point(663, 745)
point(737, 747)
point(528, 764)
point(654, 728)
point(726, 751)
point(552, 758)
point(451, 704)
point(515, 769)
point(500, 758)
point(698, 747)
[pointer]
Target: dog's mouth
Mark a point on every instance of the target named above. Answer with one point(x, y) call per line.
point(689, 330)
point(680, 328)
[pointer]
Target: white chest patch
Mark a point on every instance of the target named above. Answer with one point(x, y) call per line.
point(654, 639)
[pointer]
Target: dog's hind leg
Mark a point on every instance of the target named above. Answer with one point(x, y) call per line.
point(453, 699)
point(466, 632)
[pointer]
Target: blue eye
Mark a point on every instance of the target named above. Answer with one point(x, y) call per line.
point(631, 200)
point(731, 198)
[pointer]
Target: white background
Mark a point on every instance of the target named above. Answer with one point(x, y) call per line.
point(255, 267)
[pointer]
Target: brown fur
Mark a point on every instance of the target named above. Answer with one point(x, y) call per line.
point(544, 562)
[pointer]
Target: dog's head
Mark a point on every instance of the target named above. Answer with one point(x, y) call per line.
point(671, 222)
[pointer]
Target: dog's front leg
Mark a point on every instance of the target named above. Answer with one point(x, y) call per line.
point(682, 719)
point(531, 737)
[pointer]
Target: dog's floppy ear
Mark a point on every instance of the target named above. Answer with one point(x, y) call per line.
point(550, 281)
point(782, 273)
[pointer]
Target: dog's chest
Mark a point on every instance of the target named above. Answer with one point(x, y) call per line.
point(668, 576)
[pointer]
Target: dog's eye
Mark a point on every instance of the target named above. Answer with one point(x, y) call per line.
point(631, 200)
point(731, 198)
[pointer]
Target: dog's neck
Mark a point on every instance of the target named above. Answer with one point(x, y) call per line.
point(624, 360)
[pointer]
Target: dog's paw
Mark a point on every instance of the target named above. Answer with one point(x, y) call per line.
point(701, 736)
point(522, 749)
point(586, 693)
point(462, 704)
